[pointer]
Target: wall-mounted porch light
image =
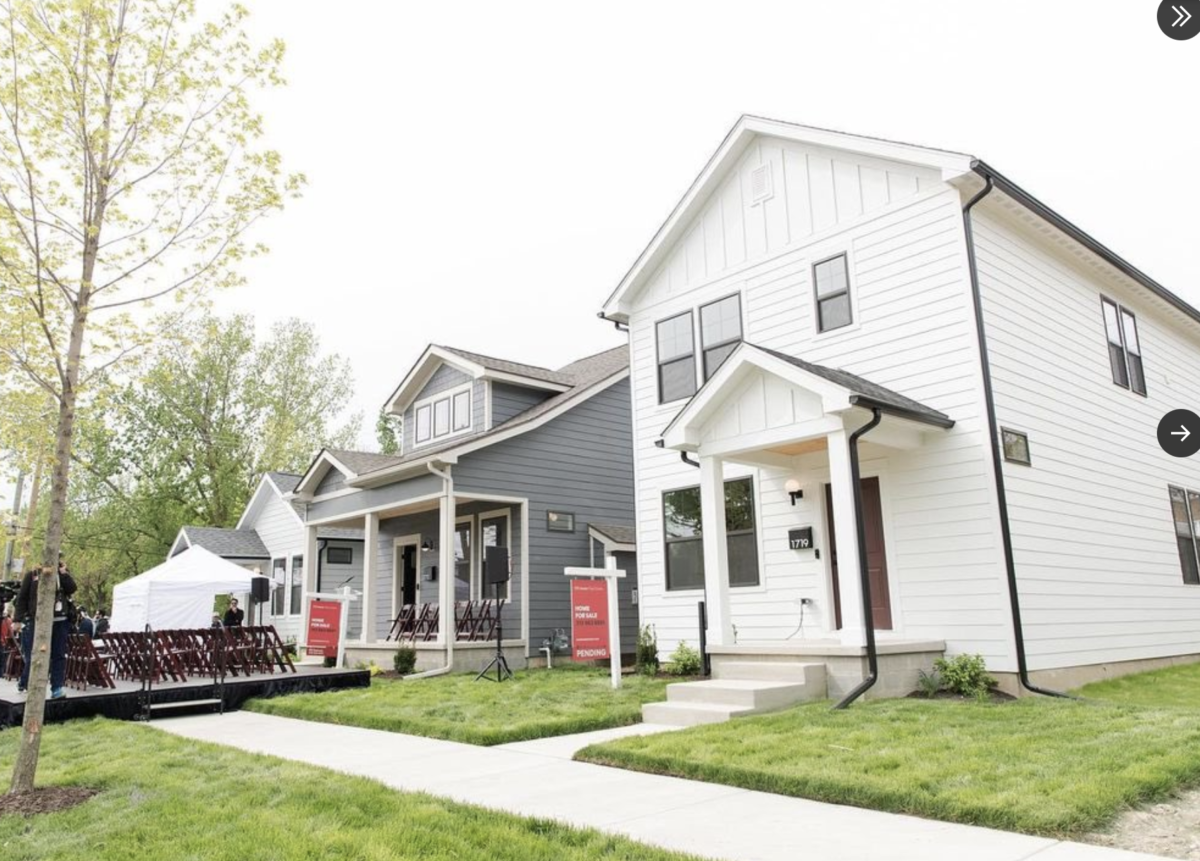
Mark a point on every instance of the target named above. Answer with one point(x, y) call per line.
point(793, 490)
point(426, 546)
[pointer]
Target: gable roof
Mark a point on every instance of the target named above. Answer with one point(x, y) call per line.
point(227, 543)
point(587, 376)
point(278, 483)
point(746, 129)
point(533, 372)
point(615, 533)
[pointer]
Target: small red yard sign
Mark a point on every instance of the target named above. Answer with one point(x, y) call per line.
point(324, 628)
point(589, 619)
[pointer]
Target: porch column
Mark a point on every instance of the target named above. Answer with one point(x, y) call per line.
point(370, 573)
point(716, 551)
point(845, 521)
point(446, 622)
point(311, 562)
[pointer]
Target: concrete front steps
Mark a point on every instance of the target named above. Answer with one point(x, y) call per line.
point(741, 689)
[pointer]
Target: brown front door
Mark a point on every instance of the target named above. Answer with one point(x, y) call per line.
point(881, 601)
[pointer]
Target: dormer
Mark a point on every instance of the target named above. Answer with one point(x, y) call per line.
point(450, 394)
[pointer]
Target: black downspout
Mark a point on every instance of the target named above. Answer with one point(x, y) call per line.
point(864, 574)
point(683, 456)
point(321, 545)
point(997, 464)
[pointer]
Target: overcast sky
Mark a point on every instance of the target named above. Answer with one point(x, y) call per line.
point(482, 175)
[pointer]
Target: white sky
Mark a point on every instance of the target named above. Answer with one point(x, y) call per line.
point(482, 174)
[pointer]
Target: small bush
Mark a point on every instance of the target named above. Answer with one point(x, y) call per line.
point(685, 661)
point(647, 651)
point(330, 661)
point(965, 675)
point(405, 660)
point(370, 666)
point(928, 684)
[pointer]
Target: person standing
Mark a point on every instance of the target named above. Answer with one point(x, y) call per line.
point(100, 625)
point(234, 615)
point(26, 609)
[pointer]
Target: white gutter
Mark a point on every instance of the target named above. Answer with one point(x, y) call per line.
point(446, 621)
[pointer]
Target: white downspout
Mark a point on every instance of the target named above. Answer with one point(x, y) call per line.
point(446, 619)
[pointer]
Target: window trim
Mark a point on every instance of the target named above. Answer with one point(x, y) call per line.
point(281, 588)
point(1004, 449)
point(506, 514)
point(1187, 506)
point(449, 396)
point(549, 521)
point(295, 593)
point(472, 553)
point(704, 348)
point(329, 551)
point(850, 293)
point(1120, 311)
point(690, 313)
point(756, 531)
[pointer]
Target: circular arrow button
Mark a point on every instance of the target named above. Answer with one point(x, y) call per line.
point(1179, 433)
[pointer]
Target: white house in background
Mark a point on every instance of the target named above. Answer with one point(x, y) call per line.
point(1012, 499)
point(270, 538)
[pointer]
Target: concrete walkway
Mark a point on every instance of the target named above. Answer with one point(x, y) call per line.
point(539, 779)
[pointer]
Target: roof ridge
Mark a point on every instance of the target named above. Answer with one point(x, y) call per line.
point(461, 351)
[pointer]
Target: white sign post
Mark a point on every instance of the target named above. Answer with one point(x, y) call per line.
point(609, 573)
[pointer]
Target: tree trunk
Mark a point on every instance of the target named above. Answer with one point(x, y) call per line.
point(25, 767)
point(31, 515)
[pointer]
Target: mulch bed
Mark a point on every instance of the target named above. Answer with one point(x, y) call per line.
point(48, 799)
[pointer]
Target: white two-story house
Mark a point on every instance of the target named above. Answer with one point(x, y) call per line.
point(866, 368)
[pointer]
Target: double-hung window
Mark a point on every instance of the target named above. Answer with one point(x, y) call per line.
point(1124, 347)
point(1185, 510)
point(676, 358)
point(278, 585)
point(720, 331)
point(442, 415)
point(685, 542)
point(297, 584)
point(832, 283)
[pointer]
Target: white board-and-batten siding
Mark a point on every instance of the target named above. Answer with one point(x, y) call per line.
point(913, 331)
point(1093, 533)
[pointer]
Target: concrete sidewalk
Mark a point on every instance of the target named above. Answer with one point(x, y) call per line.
point(538, 779)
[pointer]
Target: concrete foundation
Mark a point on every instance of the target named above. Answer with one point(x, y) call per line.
point(1069, 678)
point(468, 657)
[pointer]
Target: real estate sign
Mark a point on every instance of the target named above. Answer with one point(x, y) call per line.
point(324, 628)
point(589, 619)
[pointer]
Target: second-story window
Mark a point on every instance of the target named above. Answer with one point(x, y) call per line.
point(676, 358)
point(1124, 347)
point(832, 282)
point(442, 415)
point(720, 331)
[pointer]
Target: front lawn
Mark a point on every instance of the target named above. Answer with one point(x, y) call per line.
point(534, 704)
point(169, 799)
point(1173, 687)
point(1036, 765)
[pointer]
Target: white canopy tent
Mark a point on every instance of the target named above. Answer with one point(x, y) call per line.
point(178, 593)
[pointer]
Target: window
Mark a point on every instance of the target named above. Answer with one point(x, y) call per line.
point(1016, 446)
point(462, 410)
point(340, 555)
point(720, 331)
point(297, 584)
point(684, 536)
point(676, 358)
point(832, 280)
point(441, 417)
point(493, 532)
point(560, 521)
point(278, 582)
point(462, 561)
point(1124, 347)
point(424, 429)
point(1185, 510)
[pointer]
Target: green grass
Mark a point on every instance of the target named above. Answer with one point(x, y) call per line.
point(535, 704)
point(1173, 687)
point(169, 799)
point(1038, 766)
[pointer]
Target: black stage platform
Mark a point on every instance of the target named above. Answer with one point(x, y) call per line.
point(124, 702)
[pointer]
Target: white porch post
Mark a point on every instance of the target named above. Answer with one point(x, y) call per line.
point(370, 573)
point(446, 623)
point(311, 561)
point(716, 551)
point(845, 522)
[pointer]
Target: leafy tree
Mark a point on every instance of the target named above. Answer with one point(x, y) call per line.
point(130, 171)
point(388, 432)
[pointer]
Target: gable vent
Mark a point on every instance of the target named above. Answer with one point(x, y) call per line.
point(761, 186)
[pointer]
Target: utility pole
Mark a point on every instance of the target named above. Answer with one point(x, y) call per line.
point(11, 544)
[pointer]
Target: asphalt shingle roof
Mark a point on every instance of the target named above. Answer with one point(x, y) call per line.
point(228, 543)
point(616, 533)
point(505, 366)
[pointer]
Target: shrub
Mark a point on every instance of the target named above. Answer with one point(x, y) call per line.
point(685, 661)
point(405, 660)
point(370, 666)
point(330, 661)
point(928, 683)
point(965, 675)
point(647, 651)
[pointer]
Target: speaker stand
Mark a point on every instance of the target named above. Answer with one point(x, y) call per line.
point(499, 661)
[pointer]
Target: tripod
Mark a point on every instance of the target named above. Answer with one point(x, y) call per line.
point(499, 661)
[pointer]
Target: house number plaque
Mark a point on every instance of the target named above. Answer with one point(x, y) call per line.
point(800, 539)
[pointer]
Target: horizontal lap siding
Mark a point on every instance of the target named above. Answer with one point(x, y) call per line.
point(580, 462)
point(1092, 529)
point(336, 577)
point(283, 536)
point(509, 401)
point(913, 333)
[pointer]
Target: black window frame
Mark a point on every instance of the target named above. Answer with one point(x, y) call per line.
point(1191, 551)
point(686, 357)
point(818, 299)
point(1122, 360)
point(296, 586)
point(699, 537)
point(706, 348)
point(349, 557)
point(554, 517)
point(1010, 457)
point(502, 541)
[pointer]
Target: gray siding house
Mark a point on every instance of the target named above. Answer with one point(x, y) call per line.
point(494, 453)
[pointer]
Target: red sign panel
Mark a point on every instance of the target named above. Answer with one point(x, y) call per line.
point(324, 628)
point(589, 619)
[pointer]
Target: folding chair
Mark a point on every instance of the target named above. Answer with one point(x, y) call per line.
point(402, 625)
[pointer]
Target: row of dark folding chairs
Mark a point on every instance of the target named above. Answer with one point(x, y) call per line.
point(473, 621)
point(176, 654)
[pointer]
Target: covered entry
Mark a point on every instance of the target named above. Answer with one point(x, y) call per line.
point(769, 410)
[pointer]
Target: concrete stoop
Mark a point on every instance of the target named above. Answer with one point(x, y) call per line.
point(741, 689)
